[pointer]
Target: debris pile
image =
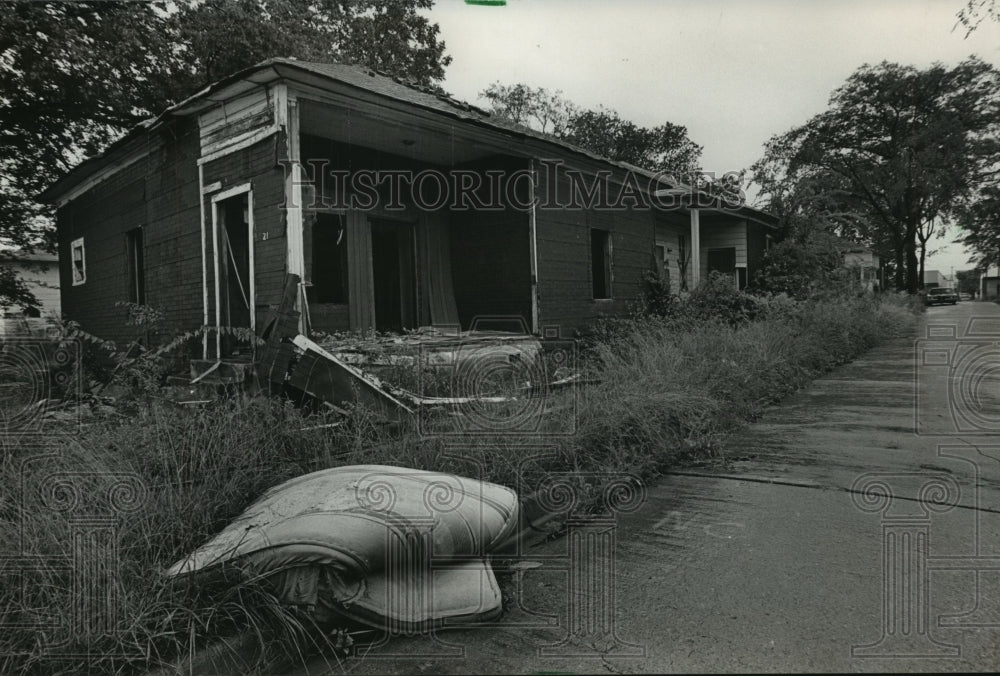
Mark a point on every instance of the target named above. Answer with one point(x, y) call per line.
point(400, 374)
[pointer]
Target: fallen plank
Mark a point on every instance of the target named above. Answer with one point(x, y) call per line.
point(282, 322)
point(324, 376)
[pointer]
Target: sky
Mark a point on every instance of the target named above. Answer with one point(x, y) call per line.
point(734, 72)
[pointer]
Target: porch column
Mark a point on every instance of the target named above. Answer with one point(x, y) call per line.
point(695, 247)
point(293, 208)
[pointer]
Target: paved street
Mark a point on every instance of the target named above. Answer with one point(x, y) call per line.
point(780, 560)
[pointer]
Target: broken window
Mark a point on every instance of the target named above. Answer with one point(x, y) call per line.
point(329, 260)
point(600, 261)
point(78, 262)
point(134, 249)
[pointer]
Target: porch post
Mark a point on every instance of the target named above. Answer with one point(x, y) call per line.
point(533, 250)
point(695, 247)
point(293, 207)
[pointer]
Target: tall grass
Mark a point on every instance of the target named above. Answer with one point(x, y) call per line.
point(669, 391)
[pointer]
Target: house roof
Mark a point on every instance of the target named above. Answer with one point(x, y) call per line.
point(359, 77)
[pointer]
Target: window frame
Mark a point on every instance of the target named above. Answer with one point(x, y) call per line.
point(607, 266)
point(135, 243)
point(74, 246)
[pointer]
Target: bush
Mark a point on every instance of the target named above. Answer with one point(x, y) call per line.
point(671, 390)
point(802, 265)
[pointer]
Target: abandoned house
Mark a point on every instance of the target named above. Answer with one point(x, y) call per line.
point(397, 207)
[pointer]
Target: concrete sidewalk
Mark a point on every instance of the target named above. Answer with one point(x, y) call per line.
point(786, 558)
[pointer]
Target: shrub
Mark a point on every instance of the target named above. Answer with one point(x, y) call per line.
point(802, 265)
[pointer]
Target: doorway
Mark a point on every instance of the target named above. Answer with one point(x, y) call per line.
point(234, 263)
point(394, 269)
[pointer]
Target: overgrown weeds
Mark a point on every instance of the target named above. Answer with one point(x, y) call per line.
point(168, 478)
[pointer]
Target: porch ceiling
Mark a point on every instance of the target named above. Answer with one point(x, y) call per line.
point(440, 147)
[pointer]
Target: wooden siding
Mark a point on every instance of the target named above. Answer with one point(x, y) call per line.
point(722, 234)
point(160, 194)
point(235, 120)
point(260, 166)
point(565, 291)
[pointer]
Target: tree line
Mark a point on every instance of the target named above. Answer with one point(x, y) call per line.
point(901, 157)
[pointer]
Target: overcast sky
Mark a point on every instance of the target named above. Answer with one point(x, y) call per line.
point(734, 72)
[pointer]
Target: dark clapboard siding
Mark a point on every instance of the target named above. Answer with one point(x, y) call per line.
point(160, 194)
point(565, 291)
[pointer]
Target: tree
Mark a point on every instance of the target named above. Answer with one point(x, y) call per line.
point(801, 264)
point(975, 12)
point(898, 149)
point(602, 131)
point(537, 108)
point(74, 75)
point(968, 281)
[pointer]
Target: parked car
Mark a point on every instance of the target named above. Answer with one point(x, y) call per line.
point(941, 295)
point(964, 296)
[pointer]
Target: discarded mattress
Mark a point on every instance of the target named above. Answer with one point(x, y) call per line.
point(385, 546)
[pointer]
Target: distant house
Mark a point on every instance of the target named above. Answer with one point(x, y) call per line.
point(862, 262)
point(989, 283)
point(934, 279)
point(40, 273)
point(398, 207)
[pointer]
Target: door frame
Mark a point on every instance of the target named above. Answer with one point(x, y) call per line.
point(235, 191)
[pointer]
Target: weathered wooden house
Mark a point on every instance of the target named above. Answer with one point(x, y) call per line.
point(398, 207)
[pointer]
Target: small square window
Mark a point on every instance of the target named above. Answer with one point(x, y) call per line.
point(135, 251)
point(78, 260)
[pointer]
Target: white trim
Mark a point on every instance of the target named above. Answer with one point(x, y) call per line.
point(533, 245)
point(232, 192)
point(280, 104)
point(695, 248)
point(737, 269)
point(103, 174)
point(252, 270)
point(215, 262)
point(204, 262)
point(239, 143)
point(219, 197)
point(294, 226)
